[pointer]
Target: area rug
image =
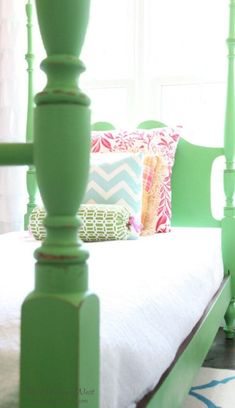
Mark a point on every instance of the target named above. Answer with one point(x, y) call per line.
point(213, 388)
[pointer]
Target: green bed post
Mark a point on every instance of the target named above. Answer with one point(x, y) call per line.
point(31, 176)
point(228, 223)
point(60, 322)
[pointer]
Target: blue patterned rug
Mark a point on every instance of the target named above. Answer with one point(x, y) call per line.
point(213, 388)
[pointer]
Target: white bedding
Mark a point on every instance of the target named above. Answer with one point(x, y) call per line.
point(152, 291)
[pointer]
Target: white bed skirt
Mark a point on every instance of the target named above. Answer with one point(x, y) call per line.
point(152, 292)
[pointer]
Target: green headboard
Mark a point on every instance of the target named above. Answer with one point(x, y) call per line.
point(191, 185)
point(191, 180)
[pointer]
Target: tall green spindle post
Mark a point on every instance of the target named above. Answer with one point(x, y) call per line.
point(31, 176)
point(60, 323)
point(228, 223)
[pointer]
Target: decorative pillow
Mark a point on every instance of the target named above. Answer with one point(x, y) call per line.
point(116, 179)
point(99, 223)
point(161, 142)
point(154, 172)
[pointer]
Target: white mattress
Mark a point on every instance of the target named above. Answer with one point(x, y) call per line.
point(152, 291)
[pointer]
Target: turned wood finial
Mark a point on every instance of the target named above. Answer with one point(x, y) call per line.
point(63, 40)
point(62, 133)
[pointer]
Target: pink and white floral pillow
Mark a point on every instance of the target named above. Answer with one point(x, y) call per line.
point(161, 142)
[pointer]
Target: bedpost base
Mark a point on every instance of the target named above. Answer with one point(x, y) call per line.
point(60, 351)
point(229, 317)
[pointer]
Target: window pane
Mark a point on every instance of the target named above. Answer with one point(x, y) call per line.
point(108, 51)
point(200, 108)
point(109, 105)
point(188, 38)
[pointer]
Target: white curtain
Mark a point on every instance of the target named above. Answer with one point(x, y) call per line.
point(13, 86)
point(145, 59)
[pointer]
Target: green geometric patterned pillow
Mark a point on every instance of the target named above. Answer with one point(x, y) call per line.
point(100, 222)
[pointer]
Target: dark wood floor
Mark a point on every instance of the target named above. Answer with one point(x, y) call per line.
point(222, 353)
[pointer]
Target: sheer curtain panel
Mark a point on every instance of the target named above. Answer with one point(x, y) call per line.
point(13, 85)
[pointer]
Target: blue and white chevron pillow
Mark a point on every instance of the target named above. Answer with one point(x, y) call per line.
point(116, 178)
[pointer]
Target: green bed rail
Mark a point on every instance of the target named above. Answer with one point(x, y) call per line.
point(16, 154)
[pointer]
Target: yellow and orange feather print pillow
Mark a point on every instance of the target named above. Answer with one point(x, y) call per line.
point(155, 170)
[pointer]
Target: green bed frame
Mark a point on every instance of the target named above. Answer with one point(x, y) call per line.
point(59, 364)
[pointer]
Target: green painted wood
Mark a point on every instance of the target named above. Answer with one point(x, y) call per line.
point(63, 363)
point(228, 223)
point(60, 318)
point(229, 320)
point(151, 124)
point(191, 181)
point(177, 384)
point(102, 126)
point(16, 154)
point(30, 175)
point(30, 59)
point(31, 184)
